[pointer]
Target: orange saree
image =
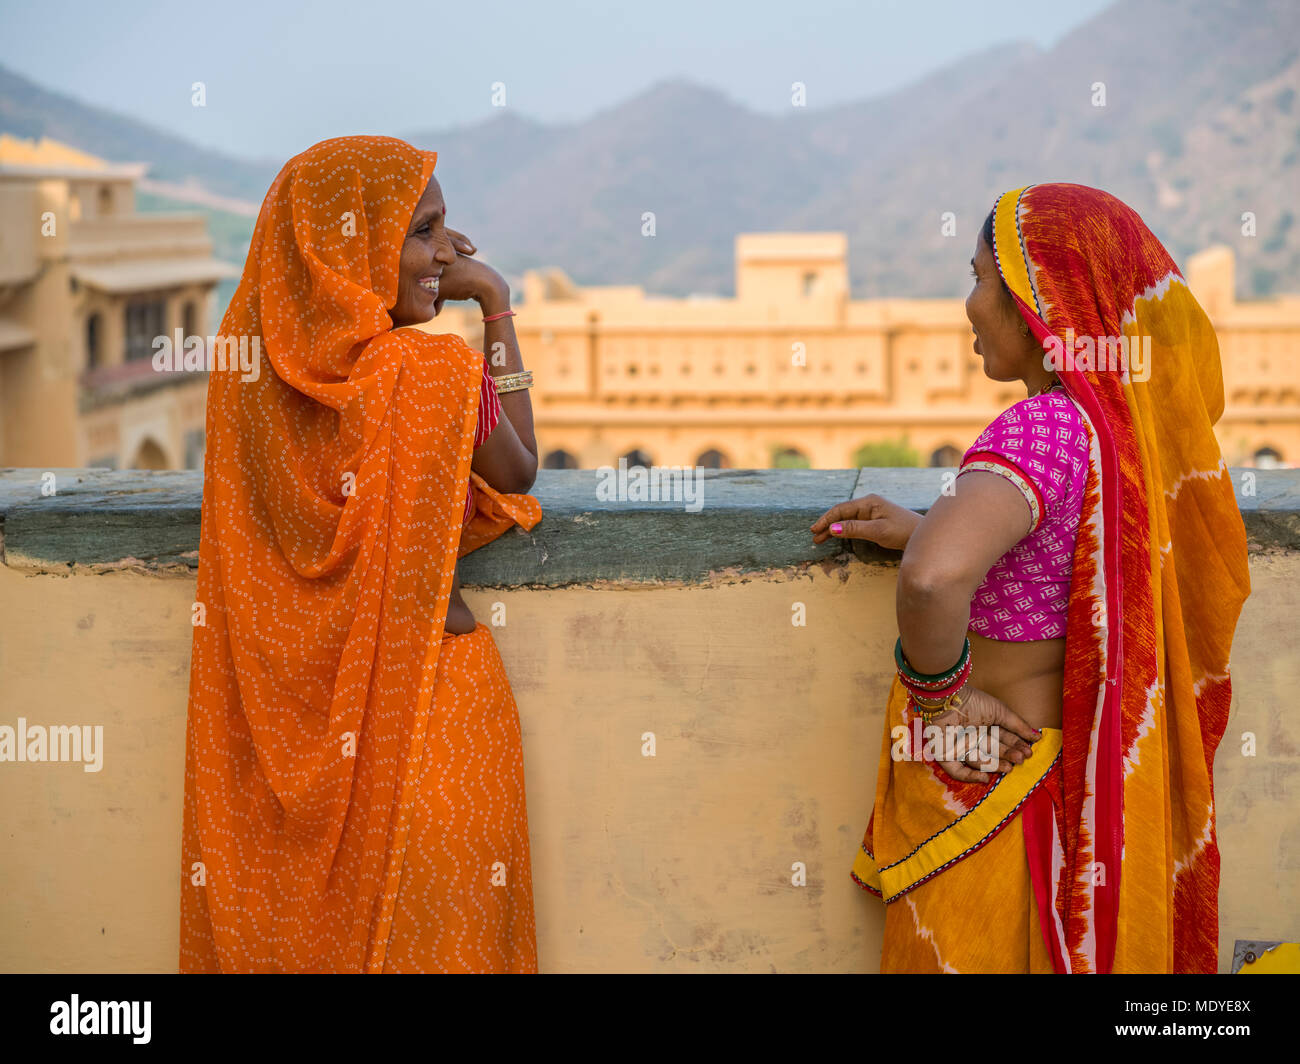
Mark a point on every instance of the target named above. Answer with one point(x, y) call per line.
point(354, 779)
point(1109, 840)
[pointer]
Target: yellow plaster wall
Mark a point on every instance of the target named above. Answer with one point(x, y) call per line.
point(766, 735)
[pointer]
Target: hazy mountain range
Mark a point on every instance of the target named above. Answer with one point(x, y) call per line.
point(1201, 123)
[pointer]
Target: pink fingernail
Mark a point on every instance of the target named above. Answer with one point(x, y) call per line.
point(837, 528)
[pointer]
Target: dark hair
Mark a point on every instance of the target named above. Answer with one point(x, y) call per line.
point(987, 234)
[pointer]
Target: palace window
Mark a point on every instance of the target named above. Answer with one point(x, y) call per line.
point(144, 323)
point(94, 341)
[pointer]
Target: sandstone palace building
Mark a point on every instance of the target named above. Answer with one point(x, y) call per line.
point(86, 285)
point(793, 372)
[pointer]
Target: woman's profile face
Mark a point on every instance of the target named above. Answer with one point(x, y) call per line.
point(426, 250)
point(1006, 349)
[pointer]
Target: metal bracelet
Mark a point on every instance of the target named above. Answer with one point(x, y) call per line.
point(513, 382)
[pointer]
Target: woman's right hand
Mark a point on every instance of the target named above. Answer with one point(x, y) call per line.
point(991, 720)
point(871, 518)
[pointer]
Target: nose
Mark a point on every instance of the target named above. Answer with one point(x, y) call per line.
point(446, 254)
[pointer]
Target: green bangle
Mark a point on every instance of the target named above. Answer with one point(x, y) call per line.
point(938, 678)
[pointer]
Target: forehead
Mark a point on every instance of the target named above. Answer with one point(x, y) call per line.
point(431, 202)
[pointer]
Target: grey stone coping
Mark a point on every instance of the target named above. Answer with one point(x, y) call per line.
point(749, 521)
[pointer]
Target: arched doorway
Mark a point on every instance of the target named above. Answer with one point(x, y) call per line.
point(789, 458)
point(713, 459)
point(947, 455)
point(559, 459)
point(1268, 458)
point(886, 454)
point(637, 457)
point(149, 455)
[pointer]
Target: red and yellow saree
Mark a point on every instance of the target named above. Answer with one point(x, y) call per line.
point(354, 778)
point(1119, 867)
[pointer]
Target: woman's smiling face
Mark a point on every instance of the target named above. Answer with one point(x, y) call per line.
point(426, 250)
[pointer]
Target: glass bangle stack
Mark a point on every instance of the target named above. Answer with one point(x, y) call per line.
point(930, 696)
point(513, 382)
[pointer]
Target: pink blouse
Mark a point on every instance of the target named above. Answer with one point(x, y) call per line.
point(489, 413)
point(1041, 446)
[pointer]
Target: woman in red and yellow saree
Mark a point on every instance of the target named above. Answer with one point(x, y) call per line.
point(354, 796)
point(1096, 850)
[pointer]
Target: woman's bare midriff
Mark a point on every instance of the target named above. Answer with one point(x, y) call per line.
point(1027, 676)
point(460, 621)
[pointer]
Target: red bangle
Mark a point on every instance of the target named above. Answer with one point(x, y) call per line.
point(938, 692)
point(503, 314)
point(939, 696)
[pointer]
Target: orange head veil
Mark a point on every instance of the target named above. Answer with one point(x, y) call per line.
point(1159, 579)
point(334, 487)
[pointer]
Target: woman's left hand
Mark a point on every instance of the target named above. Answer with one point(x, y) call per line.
point(471, 279)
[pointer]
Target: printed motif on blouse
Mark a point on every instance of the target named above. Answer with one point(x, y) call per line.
point(1040, 445)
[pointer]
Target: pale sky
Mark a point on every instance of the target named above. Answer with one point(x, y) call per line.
point(281, 75)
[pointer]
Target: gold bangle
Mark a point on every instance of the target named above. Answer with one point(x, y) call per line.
point(954, 701)
point(513, 382)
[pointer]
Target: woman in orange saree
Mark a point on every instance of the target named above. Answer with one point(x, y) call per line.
point(354, 794)
point(1097, 851)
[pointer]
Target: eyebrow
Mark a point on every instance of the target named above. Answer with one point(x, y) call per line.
point(418, 221)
